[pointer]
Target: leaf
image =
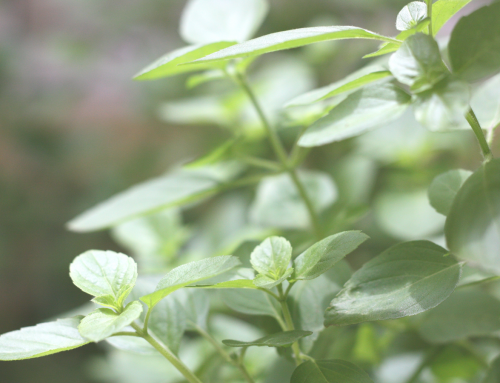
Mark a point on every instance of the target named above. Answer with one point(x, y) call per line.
point(362, 110)
point(195, 304)
point(324, 254)
point(278, 203)
point(41, 340)
point(272, 257)
point(404, 280)
point(443, 10)
point(266, 282)
point(443, 107)
point(493, 374)
point(175, 188)
point(445, 187)
point(292, 39)
point(473, 225)
point(464, 314)
point(486, 103)
point(418, 63)
point(251, 302)
point(474, 56)
point(205, 77)
point(329, 371)
point(106, 275)
point(102, 323)
point(204, 22)
point(169, 64)
point(234, 284)
point(411, 15)
point(188, 274)
point(280, 339)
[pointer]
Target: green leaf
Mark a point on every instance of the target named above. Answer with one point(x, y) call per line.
point(251, 302)
point(443, 107)
point(411, 15)
point(175, 188)
point(464, 314)
point(405, 280)
point(280, 339)
point(329, 371)
point(364, 109)
point(486, 103)
point(106, 275)
point(418, 63)
point(445, 187)
point(292, 39)
point(443, 10)
point(41, 340)
point(168, 322)
point(493, 375)
point(473, 225)
point(324, 254)
point(195, 304)
point(266, 282)
point(272, 257)
point(234, 284)
point(202, 78)
point(169, 64)
point(205, 21)
point(278, 203)
point(455, 363)
point(188, 274)
point(474, 56)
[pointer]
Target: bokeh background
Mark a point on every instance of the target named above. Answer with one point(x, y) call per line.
point(75, 129)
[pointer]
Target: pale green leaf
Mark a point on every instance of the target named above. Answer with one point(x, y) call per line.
point(41, 340)
point(476, 55)
point(486, 103)
point(205, 77)
point(443, 10)
point(168, 322)
point(204, 21)
point(175, 188)
point(280, 339)
point(473, 224)
point(234, 284)
point(405, 280)
point(272, 257)
point(106, 275)
point(188, 274)
point(411, 15)
point(364, 109)
point(464, 314)
point(103, 323)
point(324, 254)
point(445, 187)
point(251, 302)
point(266, 282)
point(493, 374)
point(196, 305)
point(329, 371)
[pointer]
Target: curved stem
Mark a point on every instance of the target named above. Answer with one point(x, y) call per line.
point(289, 325)
point(478, 131)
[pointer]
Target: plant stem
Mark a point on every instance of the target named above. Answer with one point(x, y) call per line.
point(281, 154)
point(424, 364)
point(478, 131)
point(169, 355)
point(289, 324)
point(225, 355)
point(429, 15)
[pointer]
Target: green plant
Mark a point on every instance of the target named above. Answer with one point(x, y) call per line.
point(292, 284)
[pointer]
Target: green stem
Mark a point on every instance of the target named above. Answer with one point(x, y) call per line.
point(262, 163)
point(146, 320)
point(414, 377)
point(478, 131)
point(429, 15)
point(169, 355)
point(289, 325)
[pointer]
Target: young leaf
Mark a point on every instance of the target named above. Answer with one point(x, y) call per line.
point(329, 371)
point(411, 15)
point(404, 280)
point(175, 188)
point(272, 257)
point(280, 339)
point(493, 375)
point(188, 274)
point(41, 340)
point(324, 254)
point(103, 323)
point(474, 56)
point(443, 10)
point(106, 275)
point(473, 225)
point(443, 107)
point(205, 21)
point(464, 314)
point(418, 63)
point(292, 39)
point(266, 282)
point(168, 65)
point(445, 187)
point(364, 109)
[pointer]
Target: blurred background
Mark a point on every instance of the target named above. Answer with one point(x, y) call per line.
point(75, 129)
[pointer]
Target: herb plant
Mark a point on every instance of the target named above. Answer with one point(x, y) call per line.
point(320, 310)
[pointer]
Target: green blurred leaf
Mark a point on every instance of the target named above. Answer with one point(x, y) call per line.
point(324, 254)
point(272, 257)
point(454, 363)
point(168, 322)
point(106, 275)
point(251, 302)
point(411, 15)
point(103, 323)
point(329, 371)
point(364, 109)
point(473, 225)
point(493, 375)
point(486, 103)
point(188, 274)
point(445, 187)
point(266, 282)
point(384, 289)
point(443, 10)
point(41, 340)
point(196, 305)
point(280, 339)
point(476, 55)
point(202, 78)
